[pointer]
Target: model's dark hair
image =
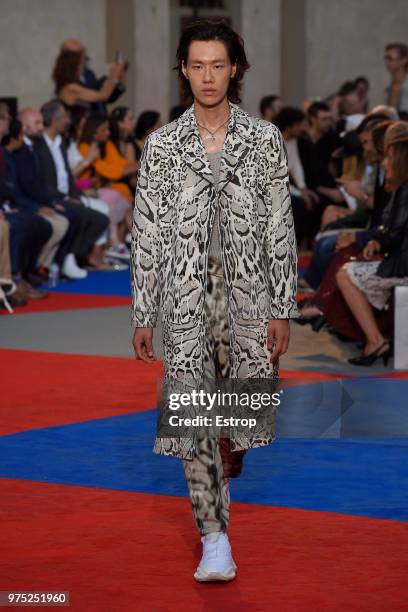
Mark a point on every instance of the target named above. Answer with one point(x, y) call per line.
point(288, 116)
point(176, 111)
point(214, 30)
point(145, 122)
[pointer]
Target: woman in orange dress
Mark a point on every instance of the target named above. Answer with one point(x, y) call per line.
point(109, 167)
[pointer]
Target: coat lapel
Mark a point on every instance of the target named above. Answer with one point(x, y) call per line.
point(238, 141)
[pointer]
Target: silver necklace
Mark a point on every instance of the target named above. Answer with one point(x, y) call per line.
point(212, 137)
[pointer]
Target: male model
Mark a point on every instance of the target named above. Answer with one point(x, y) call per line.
point(213, 239)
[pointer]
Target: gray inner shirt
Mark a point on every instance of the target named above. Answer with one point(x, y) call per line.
point(215, 244)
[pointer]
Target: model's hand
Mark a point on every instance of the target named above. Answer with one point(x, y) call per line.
point(143, 344)
point(278, 332)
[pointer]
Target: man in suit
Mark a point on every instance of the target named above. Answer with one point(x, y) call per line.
point(59, 223)
point(32, 187)
point(89, 78)
point(28, 232)
point(60, 185)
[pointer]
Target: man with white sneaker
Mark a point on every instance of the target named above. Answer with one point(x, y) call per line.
point(213, 243)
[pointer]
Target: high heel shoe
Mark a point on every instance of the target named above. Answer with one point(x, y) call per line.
point(368, 360)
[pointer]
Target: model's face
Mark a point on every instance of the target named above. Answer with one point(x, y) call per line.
point(369, 151)
point(209, 71)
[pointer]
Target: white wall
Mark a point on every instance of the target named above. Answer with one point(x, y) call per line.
point(346, 38)
point(30, 34)
point(152, 61)
point(260, 28)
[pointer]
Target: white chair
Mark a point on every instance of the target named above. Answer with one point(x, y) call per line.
point(401, 328)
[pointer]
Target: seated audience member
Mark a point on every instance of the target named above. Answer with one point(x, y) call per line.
point(396, 62)
point(88, 78)
point(59, 224)
point(269, 107)
point(328, 242)
point(147, 122)
point(365, 279)
point(350, 107)
point(119, 209)
point(122, 125)
point(362, 88)
point(51, 153)
point(315, 151)
point(67, 72)
point(31, 183)
point(291, 122)
point(369, 284)
point(110, 168)
point(7, 286)
point(28, 232)
point(316, 148)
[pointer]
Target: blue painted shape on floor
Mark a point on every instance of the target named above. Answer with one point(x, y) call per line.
point(97, 283)
point(359, 477)
point(363, 407)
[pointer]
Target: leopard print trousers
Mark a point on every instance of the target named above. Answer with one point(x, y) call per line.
point(205, 472)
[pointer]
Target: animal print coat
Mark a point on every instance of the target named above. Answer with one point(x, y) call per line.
point(174, 211)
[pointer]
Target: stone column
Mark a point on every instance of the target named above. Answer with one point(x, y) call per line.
point(151, 59)
point(260, 28)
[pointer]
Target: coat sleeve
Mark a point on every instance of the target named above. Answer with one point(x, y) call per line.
point(145, 244)
point(280, 244)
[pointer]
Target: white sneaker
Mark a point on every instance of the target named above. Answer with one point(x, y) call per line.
point(71, 269)
point(217, 562)
point(118, 251)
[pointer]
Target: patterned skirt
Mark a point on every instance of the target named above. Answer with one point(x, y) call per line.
point(377, 289)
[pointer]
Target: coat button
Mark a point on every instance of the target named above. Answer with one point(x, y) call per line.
point(195, 283)
point(195, 244)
